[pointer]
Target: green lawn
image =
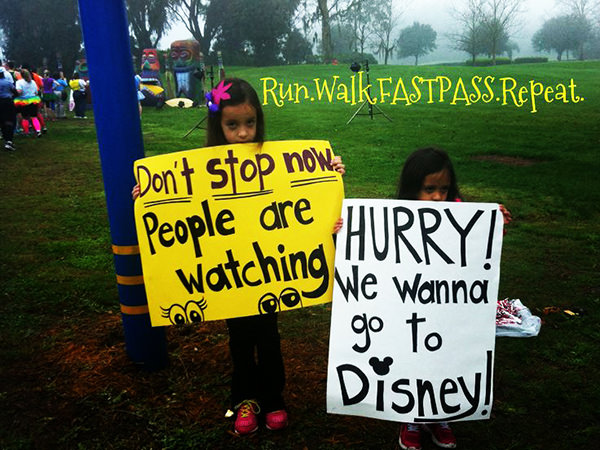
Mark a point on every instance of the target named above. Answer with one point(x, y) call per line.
point(58, 280)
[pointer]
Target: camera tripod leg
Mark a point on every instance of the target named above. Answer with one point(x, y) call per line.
point(195, 127)
point(357, 111)
point(381, 112)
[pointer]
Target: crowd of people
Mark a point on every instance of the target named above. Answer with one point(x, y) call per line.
point(28, 101)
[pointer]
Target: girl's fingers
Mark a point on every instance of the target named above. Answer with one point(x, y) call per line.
point(337, 165)
point(338, 225)
point(506, 215)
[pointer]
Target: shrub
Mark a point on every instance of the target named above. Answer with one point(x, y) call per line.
point(482, 62)
point(530, 59)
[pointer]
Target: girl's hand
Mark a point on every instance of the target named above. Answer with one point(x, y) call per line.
point(336, 164)
point(506, 215)
point(338, 225)
point(135, 192)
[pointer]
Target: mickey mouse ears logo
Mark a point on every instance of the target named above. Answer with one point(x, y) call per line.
point(381, 367)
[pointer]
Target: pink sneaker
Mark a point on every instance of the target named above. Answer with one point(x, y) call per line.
point(246, 421)
point(410, 436)
point(441, 434)
point(276, 420)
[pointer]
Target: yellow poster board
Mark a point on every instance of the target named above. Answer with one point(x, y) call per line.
point(237, 230)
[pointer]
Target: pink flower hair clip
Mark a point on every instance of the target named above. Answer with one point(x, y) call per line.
point(214, 97)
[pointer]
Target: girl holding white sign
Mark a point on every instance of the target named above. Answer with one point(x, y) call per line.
point(428, 175)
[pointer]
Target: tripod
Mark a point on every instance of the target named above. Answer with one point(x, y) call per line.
point(199, 126)
point(371, 113)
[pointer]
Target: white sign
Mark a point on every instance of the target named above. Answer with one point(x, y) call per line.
point(413, 315)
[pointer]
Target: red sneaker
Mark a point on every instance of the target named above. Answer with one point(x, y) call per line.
point(276, 420)
point(441, 434)
point(410, 436)
point(246, 421)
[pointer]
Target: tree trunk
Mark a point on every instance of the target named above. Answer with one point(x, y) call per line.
point(325, 31)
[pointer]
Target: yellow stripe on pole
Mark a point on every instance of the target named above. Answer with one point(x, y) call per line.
point(134, 310)
point(130, 280)
point(126, 249)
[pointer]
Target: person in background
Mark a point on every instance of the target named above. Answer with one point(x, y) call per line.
point(49, 85)
point(28, 102)
point(40, 84)
point(8, 112)
point(139, 93)
point(78, 86)
point(61, 94)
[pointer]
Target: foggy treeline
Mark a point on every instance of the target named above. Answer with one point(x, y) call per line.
point(272, 32)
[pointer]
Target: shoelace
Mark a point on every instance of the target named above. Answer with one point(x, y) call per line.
point(247, 407)
point(413, 427)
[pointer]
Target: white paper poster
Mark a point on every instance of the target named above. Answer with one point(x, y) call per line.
point(413, 316)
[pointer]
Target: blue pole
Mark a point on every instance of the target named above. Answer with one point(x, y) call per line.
point(118, 128)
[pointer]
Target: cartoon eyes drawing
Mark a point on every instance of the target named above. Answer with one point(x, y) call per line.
point(192, 312)
point(270, 303)
point(290, 297)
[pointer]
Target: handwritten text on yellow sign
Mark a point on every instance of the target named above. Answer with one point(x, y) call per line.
point(237, 230)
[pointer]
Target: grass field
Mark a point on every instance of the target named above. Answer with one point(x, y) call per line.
point(65, 381)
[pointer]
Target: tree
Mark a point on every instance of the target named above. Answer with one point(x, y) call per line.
point(193, 14)
point(592, 48)
point(416, 40)
point(246, 37)
point(342, 38)
point(296, 49)
point(51, 37)
point(323, 12)
point(470, 39)
point(510, 48)
point(499, 17)
point(385, 20)
point(327, 12)
point(584, 11)
point(582, 8)
point(551, 37)
point(148, 20)
point(561, 34)
point(360, 17)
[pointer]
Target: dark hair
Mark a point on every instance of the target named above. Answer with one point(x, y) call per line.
point(26, 75)
point(240, 92)
point(418, 165)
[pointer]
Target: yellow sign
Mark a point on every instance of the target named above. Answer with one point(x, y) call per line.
point(237, 230)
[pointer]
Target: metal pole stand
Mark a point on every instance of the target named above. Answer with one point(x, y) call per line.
point(367, 102)
point(196, 127)
point(370, 113)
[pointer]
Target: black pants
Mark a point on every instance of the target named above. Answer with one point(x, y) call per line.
point(80, 103)
point(8, 118)
point(258, 371)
